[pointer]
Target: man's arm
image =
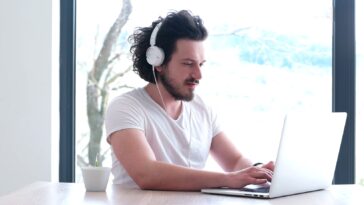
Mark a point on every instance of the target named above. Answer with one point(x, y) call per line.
point(227, 155)
point(134, 153)
point(230, 158)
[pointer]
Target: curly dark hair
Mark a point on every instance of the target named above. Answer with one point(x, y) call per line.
point(175, 26)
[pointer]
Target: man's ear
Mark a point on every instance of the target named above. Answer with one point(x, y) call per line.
point(158, 68)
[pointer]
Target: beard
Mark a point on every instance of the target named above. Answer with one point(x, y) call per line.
point(174, 90)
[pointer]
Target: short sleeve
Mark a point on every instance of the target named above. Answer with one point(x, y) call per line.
point(122, 113)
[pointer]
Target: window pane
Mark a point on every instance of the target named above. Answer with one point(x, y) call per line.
point(359, 29)
point(264, 58)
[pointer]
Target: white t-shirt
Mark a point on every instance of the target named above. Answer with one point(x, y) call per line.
point(185, 141)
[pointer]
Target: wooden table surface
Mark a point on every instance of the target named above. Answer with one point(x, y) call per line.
point(48, 193)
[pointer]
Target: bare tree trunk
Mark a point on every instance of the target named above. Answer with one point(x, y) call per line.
point(97, 95)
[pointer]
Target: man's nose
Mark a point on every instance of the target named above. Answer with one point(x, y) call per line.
point(197, 72)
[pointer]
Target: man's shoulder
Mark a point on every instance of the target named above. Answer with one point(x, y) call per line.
point(130, 98)
point(131, 94)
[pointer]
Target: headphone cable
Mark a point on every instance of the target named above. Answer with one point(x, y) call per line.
point(160, 94)
point(190, 118)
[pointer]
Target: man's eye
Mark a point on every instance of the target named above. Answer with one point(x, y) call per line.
point(188, 64)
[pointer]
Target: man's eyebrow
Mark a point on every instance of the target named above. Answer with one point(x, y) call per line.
point(190, 59)
point(187, 59)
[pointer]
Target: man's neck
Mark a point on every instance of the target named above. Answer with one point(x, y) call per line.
point(172, 106)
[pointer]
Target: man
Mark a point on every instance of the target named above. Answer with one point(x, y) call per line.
point(161, 134)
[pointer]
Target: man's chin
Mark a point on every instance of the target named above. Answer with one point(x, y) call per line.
point(189, 98)
point(186, 98)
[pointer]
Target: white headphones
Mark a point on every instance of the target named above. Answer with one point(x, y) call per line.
point(155, 55)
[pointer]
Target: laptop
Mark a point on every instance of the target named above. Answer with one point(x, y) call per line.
point(306, 158)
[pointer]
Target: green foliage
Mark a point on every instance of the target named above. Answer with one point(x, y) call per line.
point(97, 160)
point(361, 181)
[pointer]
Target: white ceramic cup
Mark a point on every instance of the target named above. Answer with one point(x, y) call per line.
point(95, 178)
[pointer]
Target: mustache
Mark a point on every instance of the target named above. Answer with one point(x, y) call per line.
point(192, 80)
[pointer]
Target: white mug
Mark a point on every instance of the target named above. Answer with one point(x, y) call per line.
point(95, 178)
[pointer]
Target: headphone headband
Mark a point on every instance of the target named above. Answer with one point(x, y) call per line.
point(154, 54)
point(153, 37)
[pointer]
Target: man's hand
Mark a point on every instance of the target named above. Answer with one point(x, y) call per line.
point(270, 165)
point(251, 175)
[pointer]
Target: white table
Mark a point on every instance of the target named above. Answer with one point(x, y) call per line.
point(48, 193)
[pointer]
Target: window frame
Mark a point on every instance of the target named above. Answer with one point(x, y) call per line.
point(67, 145)
point(343, 72)
point(343, 92)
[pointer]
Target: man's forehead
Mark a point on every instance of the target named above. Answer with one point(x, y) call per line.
point(190, 50)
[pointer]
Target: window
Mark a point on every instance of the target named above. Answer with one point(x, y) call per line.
point(262, 61)
point(359, 28)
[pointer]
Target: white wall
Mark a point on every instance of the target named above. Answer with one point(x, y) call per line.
point(25, 92)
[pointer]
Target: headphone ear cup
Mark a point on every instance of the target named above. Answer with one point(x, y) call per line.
point(155, 56)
